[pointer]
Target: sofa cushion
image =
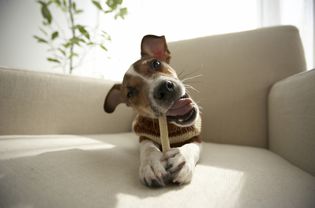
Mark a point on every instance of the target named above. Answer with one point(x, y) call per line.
point(102, 171)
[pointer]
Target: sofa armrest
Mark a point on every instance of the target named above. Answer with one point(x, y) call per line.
point(43, 103)
point(292, 119)
point(237, 70)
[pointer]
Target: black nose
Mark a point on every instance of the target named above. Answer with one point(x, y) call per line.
point(164, 90)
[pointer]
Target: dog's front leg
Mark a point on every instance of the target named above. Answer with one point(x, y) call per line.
point(152, 169)
point(181, 162)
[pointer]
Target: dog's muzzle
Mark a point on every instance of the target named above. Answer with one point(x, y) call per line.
point(171, 98)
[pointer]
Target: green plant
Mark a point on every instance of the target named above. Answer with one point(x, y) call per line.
point(66, 44)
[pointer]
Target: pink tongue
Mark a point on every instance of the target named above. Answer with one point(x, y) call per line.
point(180, 107)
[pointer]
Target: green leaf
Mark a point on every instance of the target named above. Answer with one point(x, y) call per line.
point(83, 31)
point(74, 6)
point(106, 35)
point(79, 11)
point(63, 52)
point(113, 4)
point(108, 11)
point(53, 60)
point(73, 54)
point(54, 35)
point(103, 47)
point(122, 13)
point(97, 4)
point(57, 2)
point(39, 39)
point(91, 43)
point(63, 6)
point(67, 44)
point(43, 31)
point(45, 12)
point(76, 41)
point(73, 41)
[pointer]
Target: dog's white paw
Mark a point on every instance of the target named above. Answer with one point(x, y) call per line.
point(180, 165)
point(152, 170)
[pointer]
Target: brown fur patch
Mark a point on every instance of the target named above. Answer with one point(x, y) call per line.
point(143, 67)
point(140, 102)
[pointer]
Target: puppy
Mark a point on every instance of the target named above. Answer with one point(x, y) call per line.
point(152, 88)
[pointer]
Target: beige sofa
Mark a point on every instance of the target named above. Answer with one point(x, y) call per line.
point(59, 149)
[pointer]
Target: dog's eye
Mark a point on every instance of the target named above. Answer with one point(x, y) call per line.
point(155, 64)
point(131, 92)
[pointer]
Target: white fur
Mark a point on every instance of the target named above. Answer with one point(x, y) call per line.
point(186, 156)
point(177, 165)
point(151, 166)
point(131, 71)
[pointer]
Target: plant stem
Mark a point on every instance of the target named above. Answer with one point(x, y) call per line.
point(73, 36)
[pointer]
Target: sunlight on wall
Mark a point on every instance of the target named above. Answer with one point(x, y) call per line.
point(184, 19)
point(292, 12)
point(177, 21)
point(303, 20)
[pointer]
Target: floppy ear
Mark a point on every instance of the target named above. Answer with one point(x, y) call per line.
point(155, 46)
point(113, 98)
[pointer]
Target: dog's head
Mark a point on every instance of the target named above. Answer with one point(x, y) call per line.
point(152, 88)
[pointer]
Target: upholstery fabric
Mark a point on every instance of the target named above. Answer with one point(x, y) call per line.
point(292, 119)
point(237, 71)
point(42, 103)
point(102, 171)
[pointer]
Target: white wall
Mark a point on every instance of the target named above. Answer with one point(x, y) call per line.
point(177, 19)
point(19, 20)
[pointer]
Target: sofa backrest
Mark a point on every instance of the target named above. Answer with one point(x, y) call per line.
point(237, 71)
point(43, 103)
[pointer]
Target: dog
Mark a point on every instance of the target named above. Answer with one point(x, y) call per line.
point(152, 88)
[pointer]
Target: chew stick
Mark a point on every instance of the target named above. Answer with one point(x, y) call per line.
point(164, 134)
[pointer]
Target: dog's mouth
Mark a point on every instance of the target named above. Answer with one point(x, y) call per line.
point(183, 111)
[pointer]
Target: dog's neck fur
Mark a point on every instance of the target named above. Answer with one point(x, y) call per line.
point(148, 128)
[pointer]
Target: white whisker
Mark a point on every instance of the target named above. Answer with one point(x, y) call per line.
point(182, 74)
point(191, 87)
point(190, 78)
